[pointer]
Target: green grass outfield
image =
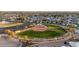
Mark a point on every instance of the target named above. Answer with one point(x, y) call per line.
point(53, 31)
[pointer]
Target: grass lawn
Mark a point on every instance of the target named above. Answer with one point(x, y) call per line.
point(53, 32)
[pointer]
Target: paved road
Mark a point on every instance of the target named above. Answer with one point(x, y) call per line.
point(49, 44)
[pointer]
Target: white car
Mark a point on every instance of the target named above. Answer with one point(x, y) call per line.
point(74, 44)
